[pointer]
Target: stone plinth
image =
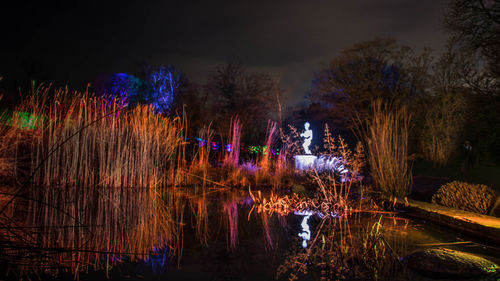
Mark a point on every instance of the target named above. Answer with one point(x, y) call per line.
point(304, 162)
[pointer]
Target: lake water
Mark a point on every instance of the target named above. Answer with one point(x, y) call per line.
point(198, 234)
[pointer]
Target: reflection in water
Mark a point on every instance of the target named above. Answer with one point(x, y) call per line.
point(77, 229)
point(306, 232)
point(48, 231)
point(231, 209)
point(157, 260)
point(343, 249)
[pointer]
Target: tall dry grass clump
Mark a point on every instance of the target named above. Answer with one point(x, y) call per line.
point(16, 136)
point(201, 154)
point(282, 161)
point(94, 141)
point(233, 157)
point(265, 161)
point(290, 145)
point(386, 140)
point(7, 164)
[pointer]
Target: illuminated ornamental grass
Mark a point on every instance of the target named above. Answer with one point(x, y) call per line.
point(386, 139)
point(269, 168)
point(90, 141)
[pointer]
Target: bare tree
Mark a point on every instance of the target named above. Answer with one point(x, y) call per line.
point(377, 69)
point(476, 25)
point(232, 91)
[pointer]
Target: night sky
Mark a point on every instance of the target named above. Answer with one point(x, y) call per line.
point(73, 43)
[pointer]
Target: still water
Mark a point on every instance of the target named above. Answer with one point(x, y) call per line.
point(200, 234)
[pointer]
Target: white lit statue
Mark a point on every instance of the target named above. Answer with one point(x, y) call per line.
point(308, 135)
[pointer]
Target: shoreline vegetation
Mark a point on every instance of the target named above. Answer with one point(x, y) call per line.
point(84, 159)
point(77, 139)
point(84, 147)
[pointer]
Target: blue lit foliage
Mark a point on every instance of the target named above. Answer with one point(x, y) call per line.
point(157, 259)
point(126, 87)
point(164, 85)
point(123, 88)
point(159, 88)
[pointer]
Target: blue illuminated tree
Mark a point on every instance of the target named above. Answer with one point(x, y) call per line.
point(164, 84)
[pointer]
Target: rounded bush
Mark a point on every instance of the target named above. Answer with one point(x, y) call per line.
point(476, 198)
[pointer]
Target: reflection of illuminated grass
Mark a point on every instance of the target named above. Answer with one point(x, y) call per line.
point(78, 230)
point(83, 229)
point(338, 252)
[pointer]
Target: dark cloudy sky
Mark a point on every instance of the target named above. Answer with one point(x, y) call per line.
point(72, 41)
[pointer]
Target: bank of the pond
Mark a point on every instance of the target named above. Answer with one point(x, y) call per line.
point(476, 225)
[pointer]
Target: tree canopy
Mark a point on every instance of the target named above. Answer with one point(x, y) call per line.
point(476, 25)
point(234, 92)
point(366, 71)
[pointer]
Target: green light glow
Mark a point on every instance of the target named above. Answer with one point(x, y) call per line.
point(21, 120)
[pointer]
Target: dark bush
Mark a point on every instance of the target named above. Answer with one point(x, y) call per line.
point(476, 198)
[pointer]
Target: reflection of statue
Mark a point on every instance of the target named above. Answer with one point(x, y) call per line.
point(308, 135)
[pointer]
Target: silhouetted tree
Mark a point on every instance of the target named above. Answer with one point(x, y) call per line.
point(476, 25)
point(232, 91)
point(367, 71)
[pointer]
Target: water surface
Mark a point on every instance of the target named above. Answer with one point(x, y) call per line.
point(190, 234)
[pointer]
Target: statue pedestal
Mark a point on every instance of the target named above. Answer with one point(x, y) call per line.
point(304, 162)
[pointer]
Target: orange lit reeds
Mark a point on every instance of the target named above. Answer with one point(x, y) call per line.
point(232, 158)
point(201, 155)
point(199, 207)
point(386, 140)
point(90, 141)
point(265, 163)
point(231, 210)
point(283, 205)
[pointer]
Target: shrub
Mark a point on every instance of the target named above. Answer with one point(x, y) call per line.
point(476, 198)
